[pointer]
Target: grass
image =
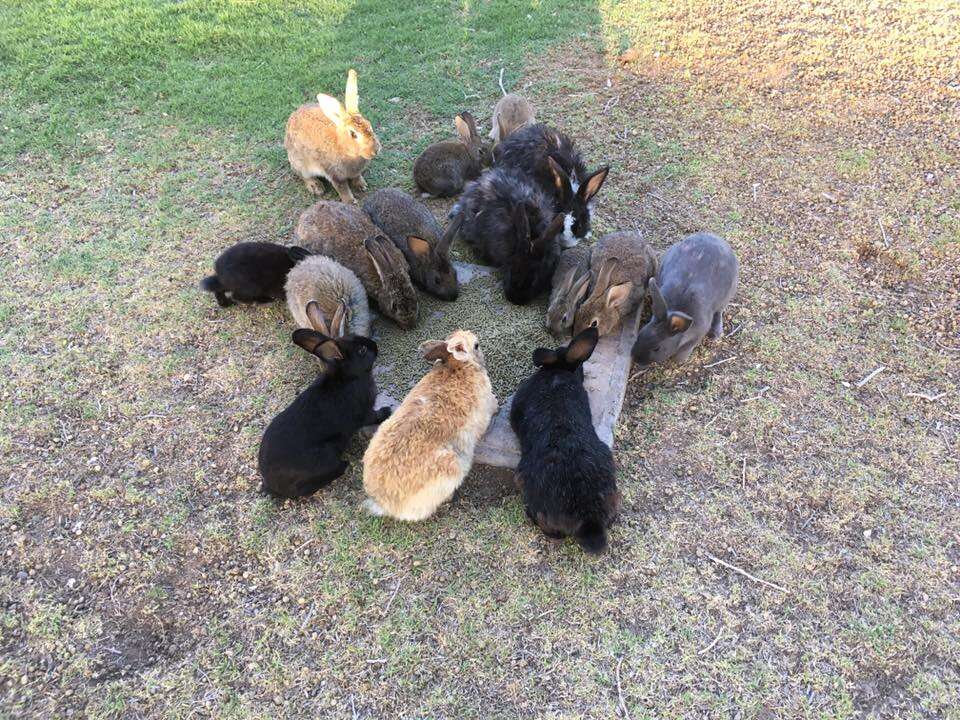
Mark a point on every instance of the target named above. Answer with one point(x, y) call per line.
point(144, 576)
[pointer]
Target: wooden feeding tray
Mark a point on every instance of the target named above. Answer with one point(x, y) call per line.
point(508, 336)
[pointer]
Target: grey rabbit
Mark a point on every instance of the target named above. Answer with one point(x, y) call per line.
point(569, 286)
point(445, 167)
point(697, 279)
point(414, 230)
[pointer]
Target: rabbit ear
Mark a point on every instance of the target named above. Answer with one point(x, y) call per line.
point(591, 186)
point(581, 347)
point(317, 318)
point(618, 295)
point(418, 246)
point(443, 246)
point(434, 350)
point(501, 128)
point(471, 126)
point(656, 299)
point(521, 224)
point(545, 357)
point(332, 108)
point(375, 253)
point(579, 290)
point(338, 324)
point(458, 350)
point(463, 128)
point(297, 253)
point(309, 340)
point(351, 96)
point(560, 178)
point(603, 276)
point(553, 229)
point(678, 322)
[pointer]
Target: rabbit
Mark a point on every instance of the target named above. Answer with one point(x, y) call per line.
point(566, 471)
point(251, 272)
point(302, 446)
point(335, 291)
point(570, 283)
point(412, 228)
point(510, 114)
point(420, 456)
point(444, 167)
point(620, 266)
point(345, 233)
point(697, 279)
point(511, 223)
point(333, 141)
point(552, 160)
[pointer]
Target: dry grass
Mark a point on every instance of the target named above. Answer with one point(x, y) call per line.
point(144, 576)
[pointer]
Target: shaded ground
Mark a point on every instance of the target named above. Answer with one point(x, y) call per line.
point(143, 576)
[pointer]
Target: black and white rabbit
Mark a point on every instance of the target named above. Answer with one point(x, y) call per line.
point(252, 272)
point(551, 159)
point(511, 223)
point(567, 472)
point(302, 446)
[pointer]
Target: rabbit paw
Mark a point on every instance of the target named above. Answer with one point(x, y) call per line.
point(358, 183)
point(371, 506)
point(315, 186)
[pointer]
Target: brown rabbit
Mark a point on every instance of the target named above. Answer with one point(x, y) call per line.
point(445, 167)
point(318, 288)
point(330, 140)
point(621, 264)
point(345, 233)
point(420, 455)
point(569, 286)
point(510, 114)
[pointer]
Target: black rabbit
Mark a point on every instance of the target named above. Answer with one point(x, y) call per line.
point(511, 223)
point(252, 272)
point(301, 447)
point(550, 158)
point(567, 472)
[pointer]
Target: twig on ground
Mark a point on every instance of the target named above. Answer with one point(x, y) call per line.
point(709, 647)
point(306, 621)
point(743, 475)
point(386, 610)
point(623, 705)
point(859, 384)
point(747, 575)
point(501, 81)
point(758, 396)
point(611, 103)
point(733, 332)
point(720, 362)
point(929, 398)
point(353, 708)
point(712, 421)
point(883, 233)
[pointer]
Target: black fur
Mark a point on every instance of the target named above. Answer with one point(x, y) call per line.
point(527, 151)
point(251, 272)
point(569, 487)
point(301, 447)
point(510, 222)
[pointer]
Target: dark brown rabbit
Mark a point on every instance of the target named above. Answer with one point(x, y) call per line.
point(445, 167)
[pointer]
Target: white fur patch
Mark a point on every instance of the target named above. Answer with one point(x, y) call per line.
point(567, 240)
point(574, 183)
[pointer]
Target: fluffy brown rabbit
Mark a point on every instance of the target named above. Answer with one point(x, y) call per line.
point(621, 264)
point(421, 454)
point(569, 286)
point(511, 113)
point(445, 167)
point(322, 288)
point(333, 141)
point(346, 234)
point(414, 229)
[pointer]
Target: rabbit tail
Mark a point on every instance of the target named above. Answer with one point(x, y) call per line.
point(211, 283)
point(592, 537)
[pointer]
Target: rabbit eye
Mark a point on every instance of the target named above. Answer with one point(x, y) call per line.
point(476, 345)
point(594, 323)
point(353, 134)
point(564, 319)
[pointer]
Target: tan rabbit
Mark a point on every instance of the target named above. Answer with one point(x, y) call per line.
point(421, 454)
point(333, 141)
point(510, 114)
point(621, 264)
point(570, 283)
point(345, 233)
point(322, 288)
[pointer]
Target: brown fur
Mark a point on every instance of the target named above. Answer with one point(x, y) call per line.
point(344, 232)
point(510, 114)
point(617, 259)
point(569, 285)
point(422, 452)
point(320, 143)
point(445, 167)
